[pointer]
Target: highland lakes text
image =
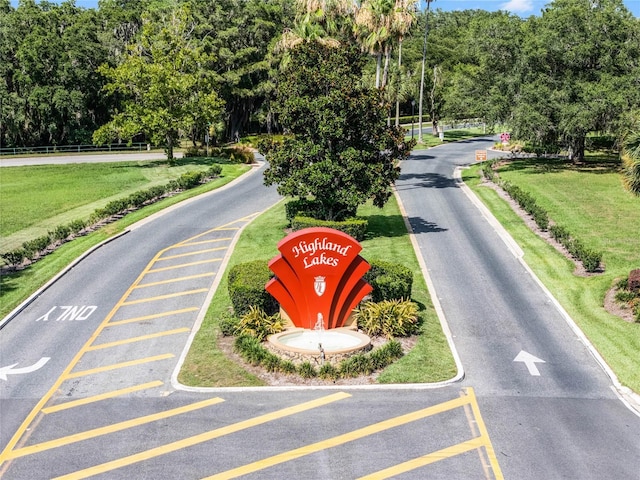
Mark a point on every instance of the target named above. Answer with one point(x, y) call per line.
point(319, 246)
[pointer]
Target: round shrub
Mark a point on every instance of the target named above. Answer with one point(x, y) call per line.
point(389, 318)
point(390, 281)
point(246, 287)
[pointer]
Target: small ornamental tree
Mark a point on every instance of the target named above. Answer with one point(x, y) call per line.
point(338, 150)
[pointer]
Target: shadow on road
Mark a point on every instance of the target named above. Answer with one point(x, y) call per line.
point(420, 225)
point(410, 181)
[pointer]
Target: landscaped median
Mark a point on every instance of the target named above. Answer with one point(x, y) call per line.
point(208, 363)
point(588, 200)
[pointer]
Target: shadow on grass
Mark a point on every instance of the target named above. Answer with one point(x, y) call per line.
point(381, 226)
point(599, 164)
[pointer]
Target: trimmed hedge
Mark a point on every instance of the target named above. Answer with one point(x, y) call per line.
point(32, 249)
point(357, 228)
point(246, 288)
point(310, 208)
point(590, 259)
point(390, 281)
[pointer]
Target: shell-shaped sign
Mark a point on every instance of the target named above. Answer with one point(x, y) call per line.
point(318, 275)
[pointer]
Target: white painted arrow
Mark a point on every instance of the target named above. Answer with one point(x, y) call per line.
point(530, 361)
point(9, 370)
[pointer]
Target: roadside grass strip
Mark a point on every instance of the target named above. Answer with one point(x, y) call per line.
point(464, 400)
point(204, 437)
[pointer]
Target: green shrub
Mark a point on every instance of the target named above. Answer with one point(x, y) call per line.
point(251, 349)
point(386, 354)
point(355, 365)
point(246, 287)
point(287, 366)
point(214, 170)
point(590, 260)
point(559, 233)
point(194, 152)
point(33, 247)
point(77, 225)
point(355, 227)
point(229, 324)
point(258, 324)
point(328, 371)
point(390, 281)
point(14, 257)
point(389, 318)
point(271, 362)
point(61, 232)
point(306, 370)
point(625, 296)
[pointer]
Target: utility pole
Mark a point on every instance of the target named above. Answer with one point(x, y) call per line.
point(424, 57)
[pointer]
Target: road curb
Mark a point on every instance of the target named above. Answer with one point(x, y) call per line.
point(627, 396)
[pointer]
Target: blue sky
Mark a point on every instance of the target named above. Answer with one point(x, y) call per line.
point(523, 8)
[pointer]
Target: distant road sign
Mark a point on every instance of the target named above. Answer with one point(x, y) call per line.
point(481, 155)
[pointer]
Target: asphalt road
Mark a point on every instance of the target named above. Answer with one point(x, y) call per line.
point(93, 390)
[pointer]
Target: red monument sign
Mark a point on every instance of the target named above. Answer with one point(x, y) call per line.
point(318, 278)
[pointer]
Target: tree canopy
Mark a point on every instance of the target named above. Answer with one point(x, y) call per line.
point(337, 149)
point(166, 82)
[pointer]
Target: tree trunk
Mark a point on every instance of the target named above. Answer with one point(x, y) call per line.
point(169, 146)
point(385, 74)
point(398, 84)
point(378, 67)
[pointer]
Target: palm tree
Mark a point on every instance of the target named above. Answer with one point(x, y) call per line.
point(630, 155)
point(424, 59)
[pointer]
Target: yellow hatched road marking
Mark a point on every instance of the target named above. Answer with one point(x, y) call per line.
point(184, 265)
point(341, 439)
point(427, 459)
point(116, 427)
point(484, 433)
point(37, 409)
point(204, 437)
point(153, 316)
point(191, 254)
point(139, 339)
point(116, 366)
point(168, 295)
point(174, 280)
point(102, 396)
point(203, 242)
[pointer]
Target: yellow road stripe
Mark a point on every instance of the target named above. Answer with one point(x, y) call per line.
point(174, 280)
point(139, 339)
point(116, 427)
point(116, 366)
point(341, 439)
point(191, 254)
point(184, 265)
point(102, 396)
point(426, 459)
point(213, 240)
point(153, 316)
point(204, 437)
point(485, 434)
point(168, 295)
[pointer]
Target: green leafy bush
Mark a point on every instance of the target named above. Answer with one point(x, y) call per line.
point(251, 349)
point(61, 232)
point(14, 257)
point(386, 354)
point(246, 287)
point(306, 370)
point(355, 227)
point(258, 324)
point(559, 233)
point(33, 247)
point(356, 365)
point(390, 281)
point(228, 324)
point(389, 318)
point(328, 371)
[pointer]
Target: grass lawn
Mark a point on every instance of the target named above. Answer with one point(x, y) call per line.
point(16, 287)
point(59, 194)
point(590, 202)
point(429, 361)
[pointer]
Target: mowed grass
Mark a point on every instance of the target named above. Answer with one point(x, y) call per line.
point(36, 199)
point(18, 286)
point(590, 202)
point(429, 361)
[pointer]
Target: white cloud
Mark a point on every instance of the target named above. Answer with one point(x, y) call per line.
point(518, 6)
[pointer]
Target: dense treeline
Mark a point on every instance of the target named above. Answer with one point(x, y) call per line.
point(554, 78)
